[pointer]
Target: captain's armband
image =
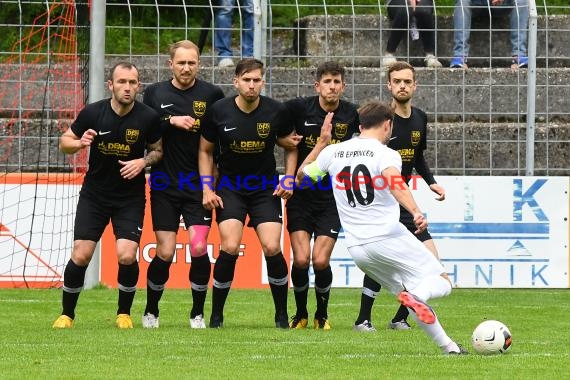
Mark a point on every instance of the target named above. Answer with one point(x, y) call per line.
point(313, 172)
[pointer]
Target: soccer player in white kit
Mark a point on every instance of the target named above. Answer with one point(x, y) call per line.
point(367, 187)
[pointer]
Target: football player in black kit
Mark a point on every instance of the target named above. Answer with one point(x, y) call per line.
point(312, 212)
point(409, 139)
point(118, 130)
point(182, 102)
point(246, 128)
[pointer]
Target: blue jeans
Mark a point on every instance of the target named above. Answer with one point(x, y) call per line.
point(223, 27)
point(517, 11)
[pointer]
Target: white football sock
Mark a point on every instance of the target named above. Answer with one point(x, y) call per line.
point(431, 287)
point(434, 331)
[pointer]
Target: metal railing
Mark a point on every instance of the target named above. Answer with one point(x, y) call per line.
point(488, 120)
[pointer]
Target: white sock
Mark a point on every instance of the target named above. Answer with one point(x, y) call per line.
point(431, 287)
point(435, 331)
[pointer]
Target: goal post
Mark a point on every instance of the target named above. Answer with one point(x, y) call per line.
point(44, 78)
point(96, 92)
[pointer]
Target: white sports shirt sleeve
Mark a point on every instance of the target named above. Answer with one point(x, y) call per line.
point(319, 168)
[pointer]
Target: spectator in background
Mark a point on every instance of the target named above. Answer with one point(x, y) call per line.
point(223, 29)
point(418, 17)
point(466, 9)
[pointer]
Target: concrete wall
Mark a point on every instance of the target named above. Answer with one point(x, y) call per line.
point(320, 36)
point(474, 118)
point(446, 94)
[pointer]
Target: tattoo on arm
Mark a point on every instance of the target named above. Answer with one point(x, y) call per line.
point(154, 153)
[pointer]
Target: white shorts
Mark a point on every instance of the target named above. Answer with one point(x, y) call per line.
point(397, 263)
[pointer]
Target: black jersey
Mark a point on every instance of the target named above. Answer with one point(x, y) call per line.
point(308, 117)
point(409, 138)
point(180, 147)
point(246, 140)
point(118, 138)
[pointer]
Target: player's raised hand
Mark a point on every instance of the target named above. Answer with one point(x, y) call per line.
point(326, 129)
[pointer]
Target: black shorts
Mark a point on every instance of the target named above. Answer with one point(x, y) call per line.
point(261, 206)
point(94, 212)
point(308, 211)
point(166, 210)
point(408, 220)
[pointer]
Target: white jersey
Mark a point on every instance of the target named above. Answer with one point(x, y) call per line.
point(367, 210)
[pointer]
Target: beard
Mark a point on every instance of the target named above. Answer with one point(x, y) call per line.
point(125, 102)
point(402, 99)
point(185, 80)
point(331, 100)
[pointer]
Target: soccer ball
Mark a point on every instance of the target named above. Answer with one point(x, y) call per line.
point(491, 337)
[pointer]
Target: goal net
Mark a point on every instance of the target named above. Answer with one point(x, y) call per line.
point(44, 84)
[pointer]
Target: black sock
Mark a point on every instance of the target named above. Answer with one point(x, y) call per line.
point(323, 282)
point(300, 281)
point(370, 289)
point(156, 276)
point(127, 279)
point(223, 276)
point(401, 314)
point(73, 279)
point(199, 276)
point(278, 281)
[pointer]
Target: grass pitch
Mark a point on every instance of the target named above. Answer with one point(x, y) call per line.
point(250, 347)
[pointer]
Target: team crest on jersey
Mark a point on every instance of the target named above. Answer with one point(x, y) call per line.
point(416, 136)
point(199, 107)
point(263, 129)
point(340, 129)
point(310, 141)
point(132, 136)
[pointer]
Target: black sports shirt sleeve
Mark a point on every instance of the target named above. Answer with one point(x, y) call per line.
point(155, 132)
point(422, 168)
point(420, 163)
point(209, 130)
point(149, 98)
point(84, 121)
point(286, 124)
point(295, 109)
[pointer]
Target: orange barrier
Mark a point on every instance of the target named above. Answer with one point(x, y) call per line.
point(42, 178)
point(250, 269)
